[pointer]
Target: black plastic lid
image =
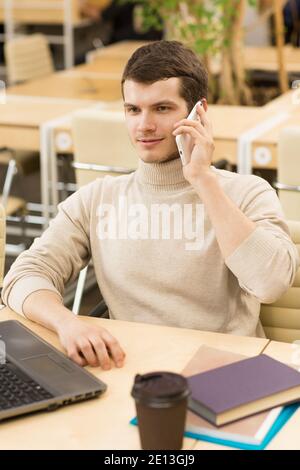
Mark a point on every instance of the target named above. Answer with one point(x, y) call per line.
point(160, 387)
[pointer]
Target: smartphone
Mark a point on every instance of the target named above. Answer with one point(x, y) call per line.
point(183, 141)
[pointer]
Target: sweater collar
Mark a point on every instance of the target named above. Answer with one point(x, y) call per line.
point(165, 176)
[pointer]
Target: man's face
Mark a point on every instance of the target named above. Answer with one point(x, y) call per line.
point(151, 112)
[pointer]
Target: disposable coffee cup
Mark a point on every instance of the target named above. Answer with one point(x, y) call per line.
point(161, 405)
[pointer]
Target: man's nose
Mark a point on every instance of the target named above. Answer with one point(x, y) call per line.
point(146, 123)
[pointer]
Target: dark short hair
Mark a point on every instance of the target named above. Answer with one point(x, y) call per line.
point(161, 60)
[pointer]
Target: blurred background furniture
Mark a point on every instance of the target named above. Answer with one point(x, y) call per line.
point(101, 145)
point(28, 58)
point(17, 14)
point(288, 183)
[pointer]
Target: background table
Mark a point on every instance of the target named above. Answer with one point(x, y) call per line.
point(21, 119)
point(67, 86)
point(266, 59)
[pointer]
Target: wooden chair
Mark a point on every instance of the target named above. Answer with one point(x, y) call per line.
point(28, 58)
point(281, 319)
point(288, 183)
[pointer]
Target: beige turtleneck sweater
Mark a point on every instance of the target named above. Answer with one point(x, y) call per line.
point(165, 270)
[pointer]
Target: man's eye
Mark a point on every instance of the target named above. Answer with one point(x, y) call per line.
point(163, 108)
point(132, 110)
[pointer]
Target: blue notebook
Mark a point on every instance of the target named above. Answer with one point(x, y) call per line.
point(283, 417)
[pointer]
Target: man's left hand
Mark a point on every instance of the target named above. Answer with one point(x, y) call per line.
point(202, 144)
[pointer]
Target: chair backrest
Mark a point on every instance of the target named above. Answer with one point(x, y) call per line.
point(288, 171)
point(27, 58)
point(101, 144)
point(281, 320)
point(2, 242)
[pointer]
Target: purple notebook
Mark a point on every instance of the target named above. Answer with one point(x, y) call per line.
point(226, 388)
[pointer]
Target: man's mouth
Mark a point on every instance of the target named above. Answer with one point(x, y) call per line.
point(149, 142)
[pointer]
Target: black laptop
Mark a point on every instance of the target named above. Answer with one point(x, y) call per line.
point(35, 376)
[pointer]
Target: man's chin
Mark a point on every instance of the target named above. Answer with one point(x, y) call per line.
point(158, 158)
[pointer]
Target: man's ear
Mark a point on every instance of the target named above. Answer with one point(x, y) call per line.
point(204, 102)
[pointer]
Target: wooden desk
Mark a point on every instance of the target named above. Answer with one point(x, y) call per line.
point(67, 86)
point(119, 50)
point(104, 423)
point(101, 65)
point(31, 104)
point(74, 91)
point(265, 58)
point(63, 13)
point(24, 125)
point(289, 100)
point(255, 58)
point(20, 120)
point(269, 140)
point(229, 122)
point(100, 80)
point(229, 125)
point(288, 353)
point(39, 14)
point(288, 437)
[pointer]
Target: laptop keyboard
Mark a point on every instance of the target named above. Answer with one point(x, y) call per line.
point(18, 389)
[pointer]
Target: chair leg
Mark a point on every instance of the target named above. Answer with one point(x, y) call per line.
point(79, 290)
point(11, 171)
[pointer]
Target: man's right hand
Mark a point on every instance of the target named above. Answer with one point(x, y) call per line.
point(85, 344)
point(89, 344)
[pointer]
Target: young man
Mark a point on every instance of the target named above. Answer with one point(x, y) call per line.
point(190, 246)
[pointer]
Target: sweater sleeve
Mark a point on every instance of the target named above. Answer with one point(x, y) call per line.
point(266, 262)
point(56, 257)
